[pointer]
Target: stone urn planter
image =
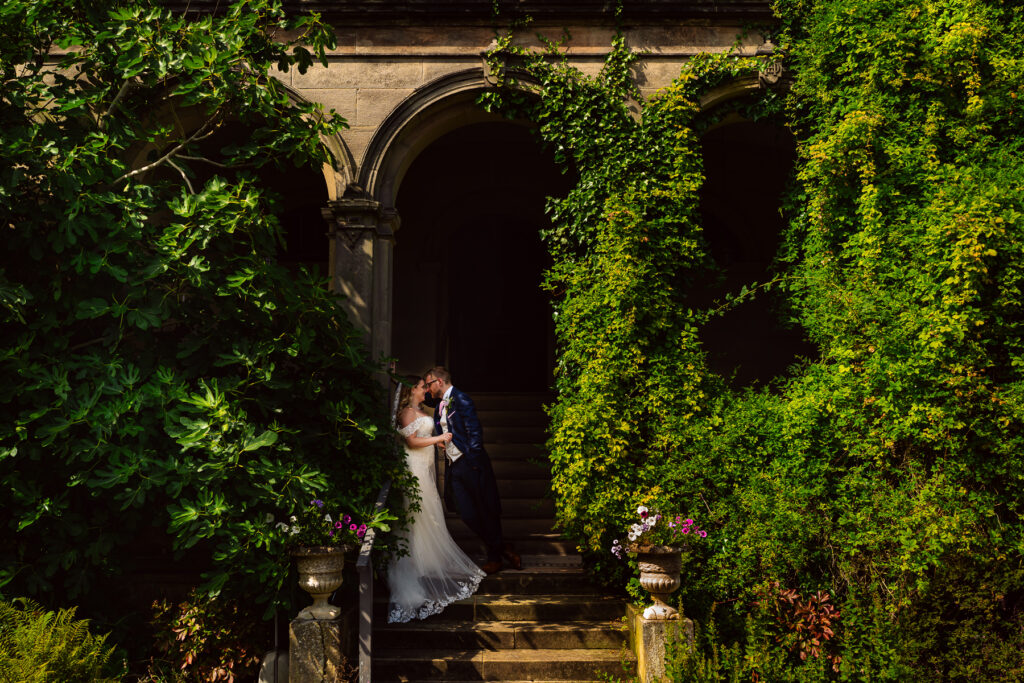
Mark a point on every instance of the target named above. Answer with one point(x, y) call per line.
point(320, 575)
point(659, 575)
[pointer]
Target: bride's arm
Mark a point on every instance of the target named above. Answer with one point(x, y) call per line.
point(421, 441)
point(406, 418)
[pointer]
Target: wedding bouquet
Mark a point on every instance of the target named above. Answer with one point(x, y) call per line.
point(654, 529)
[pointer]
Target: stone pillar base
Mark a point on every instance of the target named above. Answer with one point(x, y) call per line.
point(649, 638)
point(320, 650)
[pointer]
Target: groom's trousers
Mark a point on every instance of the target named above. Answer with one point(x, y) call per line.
point(476, 493)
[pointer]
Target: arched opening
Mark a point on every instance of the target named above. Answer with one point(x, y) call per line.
point(747, 166)
point(468, 259)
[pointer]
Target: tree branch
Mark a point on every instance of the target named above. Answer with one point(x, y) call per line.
point(184, 177)
point(200, 134)
point(117, 99)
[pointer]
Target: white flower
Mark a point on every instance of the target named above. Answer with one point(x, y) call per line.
point(632, 536)
point(327, 517)
point(642, 510)
point(294, 530)
point(282, 526)
point(268, 518)
point(293, 519)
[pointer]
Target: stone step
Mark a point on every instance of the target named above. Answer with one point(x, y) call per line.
point(501, 635)
point(502, 665)
point(539, 546)
point(518, 435)
point(524, 488)
point(486, 607)
point(511, 527)
point(521, 469)
point(529, 452)
point(539, 581)
point(525, 507)
point(484, 400)
point(512, 418)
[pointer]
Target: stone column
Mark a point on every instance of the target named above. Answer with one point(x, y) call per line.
point(361, 262)
point(649, 639)
point(322, 650)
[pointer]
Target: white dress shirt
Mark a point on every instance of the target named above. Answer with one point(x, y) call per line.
point(450, 450)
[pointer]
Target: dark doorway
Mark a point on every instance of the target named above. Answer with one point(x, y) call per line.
point(747, 166)
point(469, 260)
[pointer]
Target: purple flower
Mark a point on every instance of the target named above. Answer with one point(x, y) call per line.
point(316, 501)
point(339, 525)
point(346, 519)
point(331, 533)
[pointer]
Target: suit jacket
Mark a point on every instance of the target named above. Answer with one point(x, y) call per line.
point(467, 434)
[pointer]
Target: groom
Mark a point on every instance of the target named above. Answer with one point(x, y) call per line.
point(469, 467)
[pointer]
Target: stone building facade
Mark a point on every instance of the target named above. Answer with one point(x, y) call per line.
point(429, 221)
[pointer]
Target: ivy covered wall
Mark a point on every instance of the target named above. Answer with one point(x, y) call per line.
point(876, 485)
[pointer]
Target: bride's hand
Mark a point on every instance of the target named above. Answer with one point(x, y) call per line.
point(446, 438)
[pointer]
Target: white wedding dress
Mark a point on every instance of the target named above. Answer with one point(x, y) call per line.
point(436, 572)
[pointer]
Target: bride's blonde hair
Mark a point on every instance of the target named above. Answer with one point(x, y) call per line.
point(405, 395)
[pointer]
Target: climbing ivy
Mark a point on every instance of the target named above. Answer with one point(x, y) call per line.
point(884, 471)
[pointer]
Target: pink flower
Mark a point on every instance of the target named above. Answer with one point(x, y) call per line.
point(688, 522)
point(686, 529)
point(339, 525)
point(703, 534)
point(352, 527)
point(345, 519)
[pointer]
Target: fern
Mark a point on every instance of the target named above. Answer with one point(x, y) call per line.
point(39, 646)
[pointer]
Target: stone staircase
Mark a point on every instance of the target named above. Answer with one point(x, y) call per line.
point(544, 623)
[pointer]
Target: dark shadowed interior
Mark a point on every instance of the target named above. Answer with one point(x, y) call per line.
point(469, 259)
point(747, 166)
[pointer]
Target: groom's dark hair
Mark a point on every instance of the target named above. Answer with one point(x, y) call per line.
point(440, 372)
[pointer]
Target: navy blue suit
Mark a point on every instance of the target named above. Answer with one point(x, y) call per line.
point(471, 475)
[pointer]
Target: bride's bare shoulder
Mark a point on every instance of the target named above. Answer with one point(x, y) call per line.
point(408, 416)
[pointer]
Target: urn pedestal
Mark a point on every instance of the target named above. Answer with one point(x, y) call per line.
point(320, 574)
point(659, 575)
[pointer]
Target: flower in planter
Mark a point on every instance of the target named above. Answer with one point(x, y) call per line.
point(654, 529)
point(315, 525)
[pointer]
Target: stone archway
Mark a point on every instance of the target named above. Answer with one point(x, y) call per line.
point(469, 259)
point(367, 219)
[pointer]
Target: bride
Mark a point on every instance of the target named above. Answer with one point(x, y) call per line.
point(436, 572)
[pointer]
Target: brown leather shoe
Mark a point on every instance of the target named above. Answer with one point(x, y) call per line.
point(513, 558)
point(491, 567)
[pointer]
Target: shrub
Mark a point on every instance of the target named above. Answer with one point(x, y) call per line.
point(41, 646)
point(207, 639)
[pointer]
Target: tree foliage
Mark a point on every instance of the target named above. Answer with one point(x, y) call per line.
point(161, 375)
point(883, 474)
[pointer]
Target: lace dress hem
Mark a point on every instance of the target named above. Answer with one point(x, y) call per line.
point(399, 615)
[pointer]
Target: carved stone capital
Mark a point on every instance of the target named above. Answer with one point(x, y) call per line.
point(356, 216)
